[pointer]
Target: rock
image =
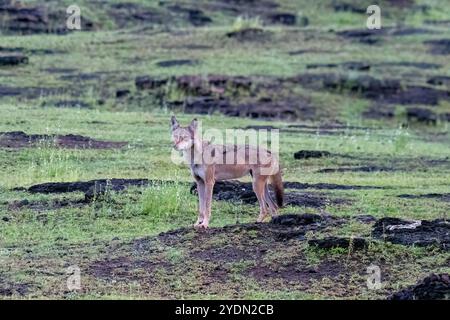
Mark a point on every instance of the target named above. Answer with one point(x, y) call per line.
point(432, 287)
point(307, 154)
point(336, 242)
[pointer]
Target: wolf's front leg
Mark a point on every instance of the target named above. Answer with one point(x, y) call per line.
point(201, 202)
point(209, 186)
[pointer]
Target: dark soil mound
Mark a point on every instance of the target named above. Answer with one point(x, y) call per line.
point(357, 169)
point(335, 242)
point(86, 186)
point(19, 139)
point(241, 192)
point(175, 63)
point(418, 233)
point(380, 90)
point(441, 46)
point(433, 287)
point(438, 196)
point(249, 34)
point(307, 154)
point(13, 60)
point(439, 81)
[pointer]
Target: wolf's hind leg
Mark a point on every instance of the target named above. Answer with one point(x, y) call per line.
point(258, 187)
point(273, 208)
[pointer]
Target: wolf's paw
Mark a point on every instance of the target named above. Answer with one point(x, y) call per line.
point(203, 225)
point(199, 222)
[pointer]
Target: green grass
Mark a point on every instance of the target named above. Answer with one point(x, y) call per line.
point(38, 242)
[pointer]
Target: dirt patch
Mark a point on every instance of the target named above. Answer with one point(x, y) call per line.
point(249, 34)
point(45, 205)
point(437, 196)
point(433, 287)
point(241, 192)
point(176, 63)
point(123, 269)
point(69, 104)
point(385, 91)
point(406, 64)
point(87, 187)
point(131, 14)
point(29, 92)
point(352, 65)
point(358, 169)
point(439, 81)
point(289, 109)
point(374, 36)
point(439, 47)
point(19, 139)
point(194, 15)
point(413, 233)
point(24, 50)
point(8, 288)
point(308, 154)
point(335, 242)
point(12, 60)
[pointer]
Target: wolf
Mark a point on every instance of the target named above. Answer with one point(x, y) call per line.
point(198, 153)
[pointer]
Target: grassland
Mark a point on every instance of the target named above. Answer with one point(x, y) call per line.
point(139, 243)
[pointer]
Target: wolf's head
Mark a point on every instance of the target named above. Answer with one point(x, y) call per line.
point(183, 138)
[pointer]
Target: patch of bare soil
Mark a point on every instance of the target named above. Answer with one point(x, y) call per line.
point(29, 92)
point(438, 196)
point(12, 59)
point(8, 288)
point(439, 47)
point(45, 205)
point(19, 139)
point(240, 192)
point(239, 96)
point(23, 18)
point(357, 169)
point(176, 63)
point(124, 269)
point(433, 287)
point(384, 91)
point(413, 233)
point(336, 242)
point(268, 253)
point(374, 36)
point(307, 154)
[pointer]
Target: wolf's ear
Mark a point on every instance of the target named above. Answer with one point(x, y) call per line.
point(194, 124)
point(174, 123)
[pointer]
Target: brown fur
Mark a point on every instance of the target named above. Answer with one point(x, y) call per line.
point(185, 139)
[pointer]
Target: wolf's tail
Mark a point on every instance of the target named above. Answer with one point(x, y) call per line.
point(277, 184)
